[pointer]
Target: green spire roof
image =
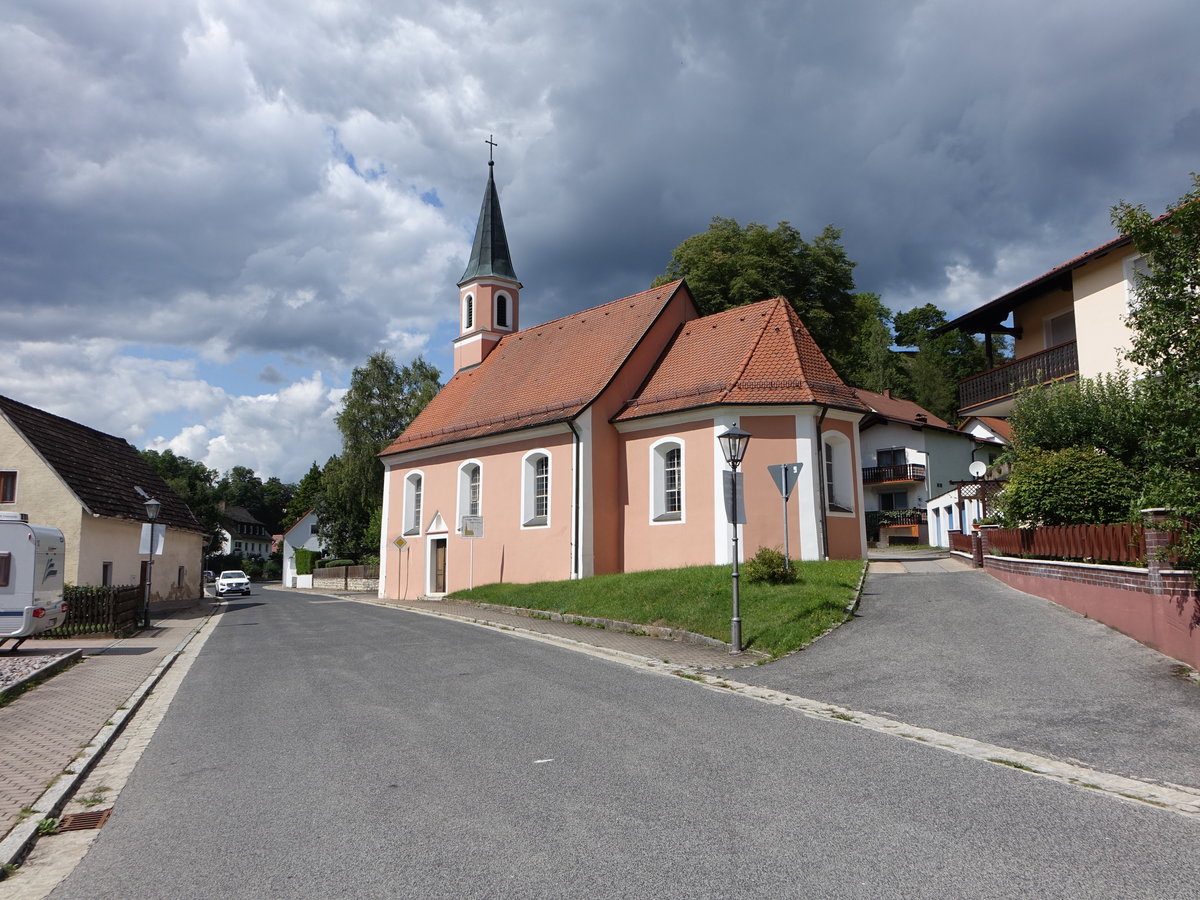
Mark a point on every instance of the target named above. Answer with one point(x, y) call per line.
point(489, 253)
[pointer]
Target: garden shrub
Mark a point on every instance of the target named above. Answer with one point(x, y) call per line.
point(768, 565)
point(1075, 486)
point(304, 560)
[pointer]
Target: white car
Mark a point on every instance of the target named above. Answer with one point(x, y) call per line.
point(233, 581)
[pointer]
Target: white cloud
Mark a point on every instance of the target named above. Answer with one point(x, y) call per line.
point(197, 194)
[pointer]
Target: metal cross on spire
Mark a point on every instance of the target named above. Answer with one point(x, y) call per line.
point(491, 146)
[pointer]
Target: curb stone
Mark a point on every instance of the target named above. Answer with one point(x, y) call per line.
point(45, 672)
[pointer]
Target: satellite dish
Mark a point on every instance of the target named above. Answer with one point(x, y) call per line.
point(977, 469)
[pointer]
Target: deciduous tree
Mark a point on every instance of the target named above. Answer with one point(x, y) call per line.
point(1166, 321)
point(381, 402)
point(731, 265)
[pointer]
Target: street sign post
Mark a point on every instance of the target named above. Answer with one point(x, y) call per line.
point(472, 527)
point(785, 476)
point(400, 542)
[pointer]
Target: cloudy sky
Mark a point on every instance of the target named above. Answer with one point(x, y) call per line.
point(212, 210)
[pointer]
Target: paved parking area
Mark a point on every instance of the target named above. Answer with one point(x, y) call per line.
point(958, 651)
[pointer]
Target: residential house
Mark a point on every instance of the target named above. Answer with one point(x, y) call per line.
point(243, 535)
point(910, 455)
point(301, 536)
point(588, 444)
point(93, 488)
point(1066, 324)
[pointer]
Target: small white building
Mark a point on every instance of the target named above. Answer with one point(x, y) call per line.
point(301, 536)
point(909, 455)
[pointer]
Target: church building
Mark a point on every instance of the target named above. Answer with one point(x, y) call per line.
point(588, 444)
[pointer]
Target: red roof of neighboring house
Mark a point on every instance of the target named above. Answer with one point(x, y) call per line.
point(901, 410)
point(755, 354)
point(545, 374)
point(1002, 427)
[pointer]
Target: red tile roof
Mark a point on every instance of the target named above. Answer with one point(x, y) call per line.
point(541, 375)
point(755, 354)
point(1001, 427)
point(901, 410)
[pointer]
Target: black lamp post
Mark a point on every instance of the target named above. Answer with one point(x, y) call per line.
point(733, 443)
point(152, 508)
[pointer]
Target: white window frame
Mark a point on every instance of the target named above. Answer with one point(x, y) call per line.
point(1048, 326)
point(529, 495)
point(468, 315)
point(839, 486)
point(414, 501)
point(464, 492)
point(16, 482)
point(659, 514)
point(508, 308)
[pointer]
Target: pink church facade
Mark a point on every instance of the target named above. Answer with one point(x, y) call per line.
point(587, 445)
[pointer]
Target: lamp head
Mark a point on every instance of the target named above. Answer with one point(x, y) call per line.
point(152, 508)
point(733, 443)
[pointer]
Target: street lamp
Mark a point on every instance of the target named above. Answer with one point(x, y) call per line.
point(733, 443)
point(152, 508)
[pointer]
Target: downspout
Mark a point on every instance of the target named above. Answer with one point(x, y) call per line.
point(821, 485)
point(576, 512)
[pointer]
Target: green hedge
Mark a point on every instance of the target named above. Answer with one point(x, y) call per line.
point(305, 559)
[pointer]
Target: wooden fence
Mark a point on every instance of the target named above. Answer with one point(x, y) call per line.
point(961, 542)
point(1091, 543)
point(100, 610)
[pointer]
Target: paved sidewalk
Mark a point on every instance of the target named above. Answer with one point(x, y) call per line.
point(44, 729)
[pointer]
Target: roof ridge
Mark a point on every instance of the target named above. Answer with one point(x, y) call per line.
point(673, 284)
point(733, 382)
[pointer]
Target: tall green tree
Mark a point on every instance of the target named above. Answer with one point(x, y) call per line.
point(941, 361)
point(194, 482)
point(306, 496)
point(381, 402)
point(731, 265)
point(1165, 317)
point(871, 363)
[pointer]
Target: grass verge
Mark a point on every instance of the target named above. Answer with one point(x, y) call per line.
point(776, 619)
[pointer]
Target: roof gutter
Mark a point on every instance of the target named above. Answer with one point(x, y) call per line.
point(577, 490)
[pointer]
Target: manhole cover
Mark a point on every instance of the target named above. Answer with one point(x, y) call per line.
point(84, 821)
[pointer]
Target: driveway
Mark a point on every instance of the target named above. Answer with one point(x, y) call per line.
point(947, 647)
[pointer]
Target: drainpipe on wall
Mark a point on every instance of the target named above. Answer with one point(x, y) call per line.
point(576, 512)
point(821, 484)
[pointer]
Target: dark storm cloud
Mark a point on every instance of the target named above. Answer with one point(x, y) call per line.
point(278, 178)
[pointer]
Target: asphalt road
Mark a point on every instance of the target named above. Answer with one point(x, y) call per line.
point(328, 748)
point(963, 653)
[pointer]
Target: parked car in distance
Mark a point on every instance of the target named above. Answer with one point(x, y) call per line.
point(233, 581)
point(209, 577)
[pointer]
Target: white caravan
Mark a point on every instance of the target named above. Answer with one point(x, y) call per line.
point(31, 578)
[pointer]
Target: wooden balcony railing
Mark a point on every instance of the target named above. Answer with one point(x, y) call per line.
point(1061, 361)
point(879, 474)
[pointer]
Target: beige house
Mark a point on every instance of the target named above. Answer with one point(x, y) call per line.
point(1066, 324)
point(93, 487)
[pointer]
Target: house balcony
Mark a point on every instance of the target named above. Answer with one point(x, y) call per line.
point(893, 474)
point(900, 525)
point(991, 393)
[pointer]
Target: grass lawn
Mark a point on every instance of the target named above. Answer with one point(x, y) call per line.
point(776, 619)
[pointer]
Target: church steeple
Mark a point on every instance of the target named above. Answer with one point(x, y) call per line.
point(489, 252)
point(489, 291)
